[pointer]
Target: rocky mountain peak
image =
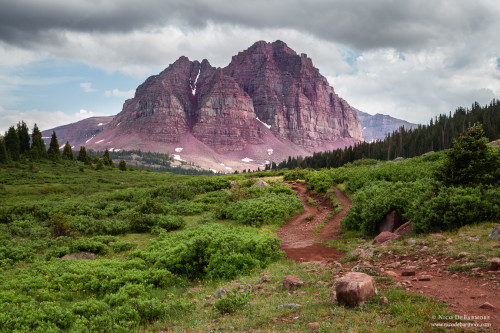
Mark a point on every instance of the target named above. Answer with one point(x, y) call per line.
point(268, 101)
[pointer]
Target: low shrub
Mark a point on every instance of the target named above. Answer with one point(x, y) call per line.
point(269, 208)
point(212, 251)
point(142, 223)
point(231, 302)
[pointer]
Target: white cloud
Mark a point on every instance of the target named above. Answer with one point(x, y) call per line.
point(118, 93)
point(87, 87)
point(411, 59)
point(419, 85)
point(44, 119)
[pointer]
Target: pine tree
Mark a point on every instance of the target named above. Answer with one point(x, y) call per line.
point(122, 165)
point(470, 160)
point(4, 154)
point(12, 143)
point(53, 152)
point(24, 137)
point(82, 155)
point(107, 160)
point(38, 149)
point(67, 153)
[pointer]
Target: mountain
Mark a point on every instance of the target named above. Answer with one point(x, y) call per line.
point(78, 133)
point(267, 104)
point(376, 127)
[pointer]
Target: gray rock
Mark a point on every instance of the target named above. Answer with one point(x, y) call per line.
point(495, 234)
point(260, 184)
point(291, 306)
point(220, 292)
point(80, 256)
point(364, 268)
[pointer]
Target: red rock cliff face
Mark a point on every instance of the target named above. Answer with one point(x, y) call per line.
point(290, 94)
point(220, 107)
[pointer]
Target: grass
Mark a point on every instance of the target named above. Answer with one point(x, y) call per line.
point(403, 312)
point(112, 195)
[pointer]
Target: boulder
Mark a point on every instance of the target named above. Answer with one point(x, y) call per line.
point(291, 282)
point(390, 222)
point(384, 237)
point(404, 229)
point(260, 184)
point(80, 256)
point(220, 292)
point(354, 288)
point(495, 234)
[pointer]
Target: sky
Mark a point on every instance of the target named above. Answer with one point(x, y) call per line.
point(63, 61)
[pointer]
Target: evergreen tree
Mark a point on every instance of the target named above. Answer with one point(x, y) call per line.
point(12, 143)
point(471, 160)
point(4, 154)
point(122, 165)
point(67, 153)
point(107, 160)
point(53, 152)
point(38, 149)
point(82, 155)
point(24, 137)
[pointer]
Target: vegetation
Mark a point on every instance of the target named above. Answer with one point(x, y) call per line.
point(164, 242)
point(436, 136)
point(440, 191)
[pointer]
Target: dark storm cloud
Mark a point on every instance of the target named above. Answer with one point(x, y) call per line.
point(361, 24)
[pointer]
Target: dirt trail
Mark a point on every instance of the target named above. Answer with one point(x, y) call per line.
point(299, 238)
point(463, 294)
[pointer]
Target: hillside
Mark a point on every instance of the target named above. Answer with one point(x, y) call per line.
point(158, 247)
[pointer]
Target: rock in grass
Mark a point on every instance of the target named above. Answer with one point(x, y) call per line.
point(291, 282)
point(495, 234)
point(220, 292)
point(314, 325)
point(260, 184)
point(354, 288)
point(80, 256)
point(290, 306)
point(385, 236)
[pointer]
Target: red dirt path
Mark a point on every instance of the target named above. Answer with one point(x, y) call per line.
point(298, 237)
point(462, 293)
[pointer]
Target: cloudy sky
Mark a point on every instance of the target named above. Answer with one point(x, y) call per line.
point(62, 61)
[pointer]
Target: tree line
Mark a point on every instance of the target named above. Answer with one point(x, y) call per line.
point(406, 143)
point(17, 145)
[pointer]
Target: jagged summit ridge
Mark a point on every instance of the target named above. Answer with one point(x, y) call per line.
point(225, 108)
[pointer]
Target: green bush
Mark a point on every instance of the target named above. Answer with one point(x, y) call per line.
point(470, 160)
point(212, 251)
point(146, 222)
point(454, 207)
point(269, 208)
point(372, 202)
point(89, 245)
point(231, 302)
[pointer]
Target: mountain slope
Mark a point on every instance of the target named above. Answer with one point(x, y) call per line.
point(376, 127)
